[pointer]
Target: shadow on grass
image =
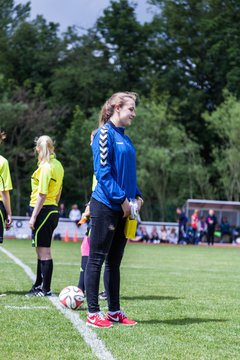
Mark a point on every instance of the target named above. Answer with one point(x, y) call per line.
point(15, 292)
point(181, 322)
point(23, 292)
point(149, 297)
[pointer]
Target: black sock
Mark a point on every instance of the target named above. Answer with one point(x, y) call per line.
point(81, 284)
point(47, 269)
point(38, 281)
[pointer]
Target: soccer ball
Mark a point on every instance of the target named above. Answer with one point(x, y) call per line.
point(238, 240)
point(71, 297)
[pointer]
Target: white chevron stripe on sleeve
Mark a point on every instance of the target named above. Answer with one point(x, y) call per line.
point(103, 157)
point(103, 143)
point(103, 137)
point(103, 150)
point(103, 146)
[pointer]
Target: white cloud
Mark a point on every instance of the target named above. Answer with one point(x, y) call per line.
point(82, 13)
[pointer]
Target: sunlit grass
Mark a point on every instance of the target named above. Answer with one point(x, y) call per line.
point(185, 299)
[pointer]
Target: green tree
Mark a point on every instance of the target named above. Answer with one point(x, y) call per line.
point(195, 56)
point(11, 16)
point(78, 159)
point(34, 50)
point(84, 74)
point(225, 120)
point(126, 40)
point(23, 119)
point(169, 163)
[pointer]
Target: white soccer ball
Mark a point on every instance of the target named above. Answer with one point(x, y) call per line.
point(71, 297)
point(238, 240)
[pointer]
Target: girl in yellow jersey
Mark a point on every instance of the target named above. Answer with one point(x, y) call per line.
point(5, 186)
point(46, 184)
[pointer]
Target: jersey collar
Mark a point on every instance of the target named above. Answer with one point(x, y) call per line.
point(119, 129)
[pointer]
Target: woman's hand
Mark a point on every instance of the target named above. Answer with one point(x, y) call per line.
point(32, 222)
point(126, 208)
point(86, 211)
point(39, 204)
point(8, 222)
point(140, 203)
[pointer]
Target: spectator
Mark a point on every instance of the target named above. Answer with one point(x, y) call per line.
point(211, 224)
point(190, 235)
point(62, 211)
point(182, 225)
point(75, 214)
point(142, 234)
point(154, 236)
point(202, 228)
point(194, 223)
point(139, 234)
point(225, 228)
point(173, 236)
point(235, 234)
point(217, 232)
point(163, 234)
point(145, 236)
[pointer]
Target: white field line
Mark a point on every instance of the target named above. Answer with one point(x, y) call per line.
point(26, 307)
point(90, 337)
point(78, 264)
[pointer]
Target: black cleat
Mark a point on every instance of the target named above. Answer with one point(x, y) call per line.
point(33, 291)
point(42, 293)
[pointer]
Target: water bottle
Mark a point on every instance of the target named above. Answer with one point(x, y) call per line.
point(134, 209)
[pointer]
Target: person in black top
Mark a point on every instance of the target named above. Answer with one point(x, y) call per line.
point(211, 225)
point(182, 225)
point(62, 211)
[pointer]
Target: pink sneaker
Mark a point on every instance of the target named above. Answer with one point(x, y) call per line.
point(121, 318)
point(98, 320)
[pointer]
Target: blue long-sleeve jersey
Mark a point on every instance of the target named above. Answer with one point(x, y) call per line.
point(114, 162)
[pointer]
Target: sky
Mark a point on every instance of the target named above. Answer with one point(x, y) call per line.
point(81, 13)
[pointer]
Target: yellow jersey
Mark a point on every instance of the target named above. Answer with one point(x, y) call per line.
point(5, 177)
point(47, 180)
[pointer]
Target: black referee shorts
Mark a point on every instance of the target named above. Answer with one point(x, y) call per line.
point(3, 217)
point(45, 224)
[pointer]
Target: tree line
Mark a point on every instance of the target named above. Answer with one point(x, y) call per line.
point(185, 66)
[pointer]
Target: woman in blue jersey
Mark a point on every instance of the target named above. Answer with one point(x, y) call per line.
point(5, 187)
point(115, 170)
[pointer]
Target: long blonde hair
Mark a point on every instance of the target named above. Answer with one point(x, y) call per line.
point(2, 136)
point(118, 98)
point(44, 147)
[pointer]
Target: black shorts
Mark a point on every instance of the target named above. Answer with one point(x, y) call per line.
point(3, 217)
point(45, 224)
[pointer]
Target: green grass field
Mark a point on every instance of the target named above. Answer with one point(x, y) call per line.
point(186, 300)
